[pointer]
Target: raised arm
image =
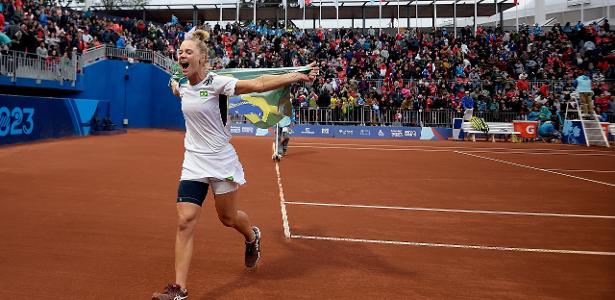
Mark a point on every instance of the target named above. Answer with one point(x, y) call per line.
point(271, 82)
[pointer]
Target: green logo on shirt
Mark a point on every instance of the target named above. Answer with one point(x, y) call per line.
point(203, 93)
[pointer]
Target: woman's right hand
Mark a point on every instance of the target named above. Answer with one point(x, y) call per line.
point(311, 76)
point(175, 87)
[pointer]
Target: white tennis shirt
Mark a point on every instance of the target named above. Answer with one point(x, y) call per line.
point(206, 120)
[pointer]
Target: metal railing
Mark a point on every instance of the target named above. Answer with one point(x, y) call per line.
point(164, 62)
point(388, 117)
point(24, 65)
point(122, 53)
point(554, 85)
point(17, 64)
point(92, 55)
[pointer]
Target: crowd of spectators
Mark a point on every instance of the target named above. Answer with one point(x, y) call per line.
point(520, 72)
point(499, 70)
point(51, 31)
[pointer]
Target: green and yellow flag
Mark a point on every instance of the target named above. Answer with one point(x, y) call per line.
point(264, 110)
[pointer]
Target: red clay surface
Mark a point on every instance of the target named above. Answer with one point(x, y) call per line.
point(94, 218)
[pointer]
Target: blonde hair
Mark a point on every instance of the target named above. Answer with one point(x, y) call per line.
point(200, 38)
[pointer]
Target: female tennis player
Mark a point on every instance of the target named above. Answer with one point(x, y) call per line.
point(209, 158)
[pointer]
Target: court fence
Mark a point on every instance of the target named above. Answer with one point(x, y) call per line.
point(365, 116)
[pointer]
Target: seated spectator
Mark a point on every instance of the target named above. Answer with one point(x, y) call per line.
point(601, 115)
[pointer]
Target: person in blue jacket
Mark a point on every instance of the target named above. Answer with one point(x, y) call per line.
point(468, 105)
point(583, 85)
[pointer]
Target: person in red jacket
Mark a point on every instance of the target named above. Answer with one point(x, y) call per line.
point(602, 101)
point(544, 90)
point(522, 83)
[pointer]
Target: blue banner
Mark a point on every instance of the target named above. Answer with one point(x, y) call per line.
point(573, 132)
point(24, 119)
point(312, 130)
point(372, 132)
point(458, 134)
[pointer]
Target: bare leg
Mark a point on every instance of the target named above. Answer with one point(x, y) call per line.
point(188, 216)
point(230, 216)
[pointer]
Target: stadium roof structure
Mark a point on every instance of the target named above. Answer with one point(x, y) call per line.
point(272, 10)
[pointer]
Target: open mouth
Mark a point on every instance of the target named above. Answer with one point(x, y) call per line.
point(184, 64)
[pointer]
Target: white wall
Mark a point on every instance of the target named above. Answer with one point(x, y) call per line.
point(560, 10)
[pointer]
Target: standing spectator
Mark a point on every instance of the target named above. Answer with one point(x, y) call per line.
point(87, 38)
point(468, 105)
point(64, 64)
point(129, 47)
point(121, 42)
point(41, 51)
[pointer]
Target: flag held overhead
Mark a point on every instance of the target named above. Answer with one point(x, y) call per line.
point(264, 110)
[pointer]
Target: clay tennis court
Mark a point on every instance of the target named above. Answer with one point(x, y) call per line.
point(94, 218)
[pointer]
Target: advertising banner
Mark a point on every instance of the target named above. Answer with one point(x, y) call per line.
point(24, 119)
point(528, 129)
point(372, 132)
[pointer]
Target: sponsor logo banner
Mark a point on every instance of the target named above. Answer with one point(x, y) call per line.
point(411, 133)
point(528, 129)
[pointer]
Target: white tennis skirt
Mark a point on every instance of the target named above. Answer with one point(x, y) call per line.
point(222, 165)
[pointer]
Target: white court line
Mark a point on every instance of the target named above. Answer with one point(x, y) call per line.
point(469, 211)
point(575, 170)
point(454, 147)
point(540, 153)
point(458, 246)
point(535, 168)
point(282, 203)
point(450, 150)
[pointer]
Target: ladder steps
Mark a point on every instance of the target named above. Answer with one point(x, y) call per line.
point(592, 129)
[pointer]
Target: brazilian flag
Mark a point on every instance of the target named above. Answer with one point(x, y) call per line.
point(264, 110)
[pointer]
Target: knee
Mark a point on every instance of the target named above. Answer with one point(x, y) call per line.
point(186, 221)
point(227, 220)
